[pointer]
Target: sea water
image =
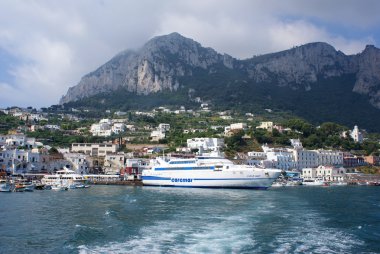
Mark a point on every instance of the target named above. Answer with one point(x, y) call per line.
point(125, 219)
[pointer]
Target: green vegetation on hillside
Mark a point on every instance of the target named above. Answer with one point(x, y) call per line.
point(328, 100)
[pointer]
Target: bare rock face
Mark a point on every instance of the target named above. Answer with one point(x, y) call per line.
point(162, 61)
point(300, 66)
point(368, 75)
point(153, 68)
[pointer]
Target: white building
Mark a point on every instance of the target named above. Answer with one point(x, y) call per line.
point(266, 126)
point(205, 144)
point(329, 157)
point(356, 135)
point(52, 127)
point(238, 126)
point(280, 158)
point(164, 127)
point(78, 161)
point(309, 173)
point(94, 149)
point(257, 155)
point(160, 131)
point(19, 160)
point(305, 158)
point(330, 173)
point(15, 140)
point(234, 127)
point(113, 163)
point(106, 127)
point(296, 143)
point(157, 135)
point(314, 158)
point(118, 128)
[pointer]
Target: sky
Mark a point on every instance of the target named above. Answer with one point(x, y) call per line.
point(46, 46)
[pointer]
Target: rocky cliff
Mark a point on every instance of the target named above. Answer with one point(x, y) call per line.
point(155, 67)
point(164, 61)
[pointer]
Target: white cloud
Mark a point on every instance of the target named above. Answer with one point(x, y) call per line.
point(286, 35)
point(57, 42)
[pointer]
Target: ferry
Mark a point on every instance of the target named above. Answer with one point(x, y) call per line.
point(64, 178)
point(207, 172)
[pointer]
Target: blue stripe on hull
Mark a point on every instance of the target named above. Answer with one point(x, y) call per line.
point(203, 179)
point(211, 187)
point(184, 168)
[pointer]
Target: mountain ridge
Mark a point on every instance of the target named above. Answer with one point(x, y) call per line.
point(179, 65)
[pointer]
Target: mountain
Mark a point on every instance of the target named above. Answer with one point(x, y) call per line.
point(313, 81)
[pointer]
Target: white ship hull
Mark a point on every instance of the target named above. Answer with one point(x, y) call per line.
point(232, 178)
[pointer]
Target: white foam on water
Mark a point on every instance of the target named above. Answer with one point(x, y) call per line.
point(228, 236)
point(213, 231)
point(309, 234)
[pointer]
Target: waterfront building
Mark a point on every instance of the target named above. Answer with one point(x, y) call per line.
point(305, 158)
point(19, 160)
point(280, 158)
point(309, 173)
point(78, 161)
point(113, 163)
point(330, 173)
point(329, 157)
point(94, 149)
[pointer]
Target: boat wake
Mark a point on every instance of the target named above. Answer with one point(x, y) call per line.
point(245, 232)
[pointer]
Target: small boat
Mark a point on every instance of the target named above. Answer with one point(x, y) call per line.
point(314, 182)
point(72, 187)
point(59, 188)
point(338, 183)
point(19, 188)
point(5, 186)
point(64, 177)
point(29, 187)
point(40, 186)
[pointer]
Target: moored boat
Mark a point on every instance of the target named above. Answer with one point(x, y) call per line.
point(314, 182)
point(65, 177)
point(5, 186)
point(207, 171)
point(59, 187)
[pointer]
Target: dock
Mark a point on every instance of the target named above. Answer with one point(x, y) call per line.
point(120, 182)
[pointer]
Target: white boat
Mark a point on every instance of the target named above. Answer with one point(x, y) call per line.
point(314, 182)
point(279, 183)
point(339, 183)
point(5, 186)
point(207, 171)
point(59, 187)
point(64, 178)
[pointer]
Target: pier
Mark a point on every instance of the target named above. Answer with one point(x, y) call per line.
point(118, 182)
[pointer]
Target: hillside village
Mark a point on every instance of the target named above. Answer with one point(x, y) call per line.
point(45, 141)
